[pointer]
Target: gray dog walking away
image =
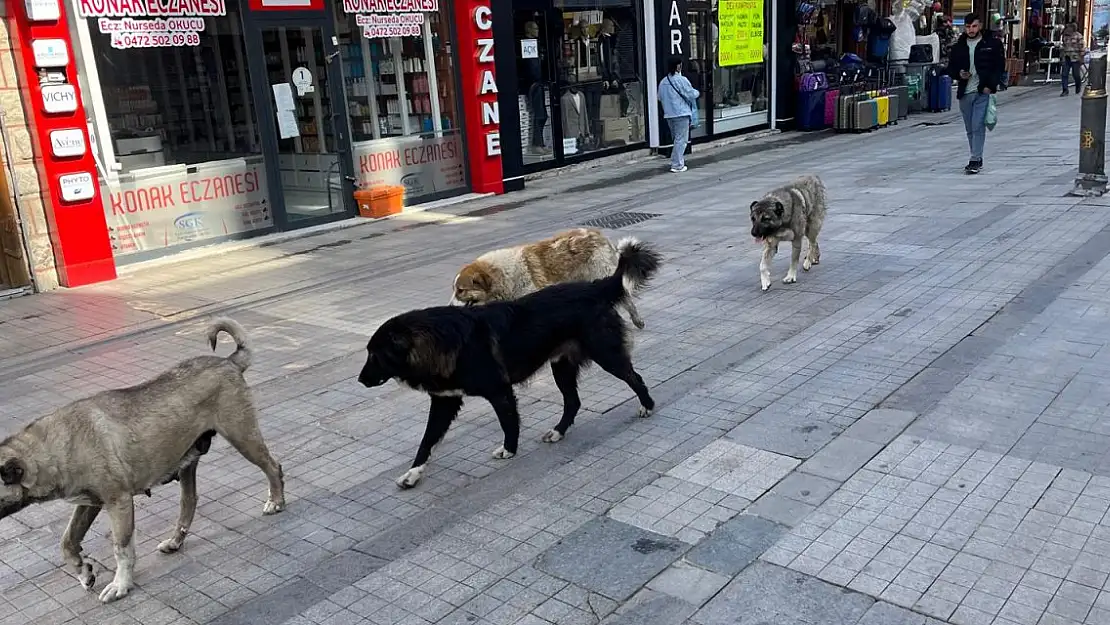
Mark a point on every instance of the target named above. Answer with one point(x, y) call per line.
point(789, 213)
point(100, 452)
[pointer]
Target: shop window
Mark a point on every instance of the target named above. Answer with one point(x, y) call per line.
point(600, 91)
point(175, 131)
point(399, 79)
point(740, 87)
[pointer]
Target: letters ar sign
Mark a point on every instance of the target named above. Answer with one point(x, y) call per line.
point(59, 98)
point(77, 187)
point(67, 142)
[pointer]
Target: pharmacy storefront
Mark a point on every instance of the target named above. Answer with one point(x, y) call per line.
point(209, 120)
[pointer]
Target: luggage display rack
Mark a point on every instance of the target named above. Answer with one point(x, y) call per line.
point(866, 99)
point(863, 98)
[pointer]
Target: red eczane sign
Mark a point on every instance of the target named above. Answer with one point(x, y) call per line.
point(479, 83)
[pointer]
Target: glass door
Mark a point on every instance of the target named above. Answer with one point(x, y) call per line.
point(700, 68)
point(310, 120)
point(536, 72)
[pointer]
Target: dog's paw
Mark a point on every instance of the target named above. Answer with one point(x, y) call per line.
point(411, 477)
point(552, 436)
point(765, 286)
point(502, 454)
point(87, 577)
point(644, 413)
point(639, 323)
point(114, 591)
point(789, 279)
point(272, 507)
point(171, 545)
point(805, 265)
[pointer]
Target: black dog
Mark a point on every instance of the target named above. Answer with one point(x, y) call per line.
point(452, 352)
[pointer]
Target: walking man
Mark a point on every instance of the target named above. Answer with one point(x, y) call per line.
point(1072, 57)
point(976, 62)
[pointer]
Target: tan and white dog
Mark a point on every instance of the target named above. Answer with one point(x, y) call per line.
point(581, 254)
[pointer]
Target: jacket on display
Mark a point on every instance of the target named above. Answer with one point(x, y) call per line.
point(990, 62)
point(576, 122)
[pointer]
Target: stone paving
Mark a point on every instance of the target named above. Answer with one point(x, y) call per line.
point(914, 433)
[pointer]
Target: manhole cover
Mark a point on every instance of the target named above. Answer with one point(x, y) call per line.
point(615, 221)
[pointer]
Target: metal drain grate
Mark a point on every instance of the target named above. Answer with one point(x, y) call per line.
point(619, 220)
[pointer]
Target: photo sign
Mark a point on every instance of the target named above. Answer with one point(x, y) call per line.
point(740, 32)
point(151, 23)
point(390, 18)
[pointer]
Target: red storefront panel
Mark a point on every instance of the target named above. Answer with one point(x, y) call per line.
point(71, 193)
point(479, 85)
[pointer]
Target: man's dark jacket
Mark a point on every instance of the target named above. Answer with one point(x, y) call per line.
point(990, 62)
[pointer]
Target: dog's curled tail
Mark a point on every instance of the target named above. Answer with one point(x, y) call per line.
point(242, 356)
point(638, 263)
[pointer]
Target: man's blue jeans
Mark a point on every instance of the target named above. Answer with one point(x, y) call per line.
point(1070, 65)
point(973, 107)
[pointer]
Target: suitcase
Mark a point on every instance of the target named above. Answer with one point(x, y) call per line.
point(866, 115)
point(895, 104)
point(917, 80)
point(846, 111)
point(882, 105)
point(940, 93)
point(831, 96)
point(840, 123)
point(811, 109)
point(903, 109)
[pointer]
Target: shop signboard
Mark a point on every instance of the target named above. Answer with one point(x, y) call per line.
point(161, 210)
point(151, 23)
point(1100, 22)
point(59, 98)
point(77, 187)
point(423, 165)
point(477, 75)
point(67, 142)
point(50, 52)
point(390, 18)
point(42, 10)
point(740, 27)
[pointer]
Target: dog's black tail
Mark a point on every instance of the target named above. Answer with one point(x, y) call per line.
point(242, 356)
point(638, 263)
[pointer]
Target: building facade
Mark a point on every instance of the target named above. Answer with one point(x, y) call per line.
point(167, 124)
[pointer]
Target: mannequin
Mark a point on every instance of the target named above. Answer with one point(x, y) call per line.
point(576, 123)
point(607, 55)
point(578, 34)
point(537, 105)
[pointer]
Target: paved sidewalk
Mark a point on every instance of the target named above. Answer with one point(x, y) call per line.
point(914, 433)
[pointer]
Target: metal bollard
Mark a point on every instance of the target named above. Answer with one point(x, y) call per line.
point(1091, 179)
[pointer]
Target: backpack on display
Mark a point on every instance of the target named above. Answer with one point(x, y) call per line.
point(813, 81)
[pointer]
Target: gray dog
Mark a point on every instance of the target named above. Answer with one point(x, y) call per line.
point(102, 451)
point(788, 213)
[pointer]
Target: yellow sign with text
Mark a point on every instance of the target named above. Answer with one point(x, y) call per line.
point(739, 32)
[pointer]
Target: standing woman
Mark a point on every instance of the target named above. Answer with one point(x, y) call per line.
point(680, 109)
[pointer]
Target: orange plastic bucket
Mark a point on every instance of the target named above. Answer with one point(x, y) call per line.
point(380, 201)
